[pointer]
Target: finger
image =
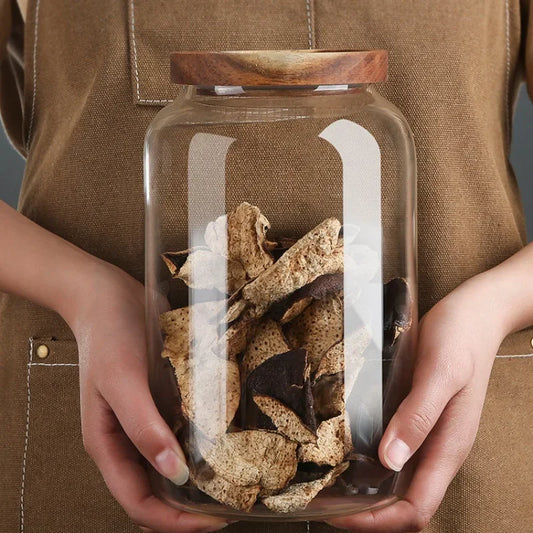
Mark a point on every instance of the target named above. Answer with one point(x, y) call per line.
point(130, 398)
point(435, 383)
point(438, 460)
point(128, 482)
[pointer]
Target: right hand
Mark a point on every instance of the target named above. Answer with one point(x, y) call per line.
point(120, 421)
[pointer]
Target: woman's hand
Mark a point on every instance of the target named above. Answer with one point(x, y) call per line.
point(120, 421)
point(458, 340)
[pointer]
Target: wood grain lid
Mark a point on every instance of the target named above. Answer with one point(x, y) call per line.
point(279, 67)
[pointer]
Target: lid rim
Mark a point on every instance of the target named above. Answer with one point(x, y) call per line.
point(278, 67)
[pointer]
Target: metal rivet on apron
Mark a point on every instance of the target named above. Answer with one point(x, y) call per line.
point(42, 351)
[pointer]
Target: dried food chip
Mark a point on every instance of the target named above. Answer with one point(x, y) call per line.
point(329, 448)
point(328, 396)
point(267, 341)
point(334, 360)
point(241, 236)
point(287, 422)
point(287, 309)
point(204, 269)
point(235, 339)
point(222, 490)
point(175, 260)
point(302, 263)
point(310, 472)
point(253, 457)
point(318, 328)
point(297, 497)
point(176, 324)
point(397, 315)
point(285, 377)
point(234, 311)
point(210, 392)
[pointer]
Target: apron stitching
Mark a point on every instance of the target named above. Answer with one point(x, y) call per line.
point(136, 69)
point(309, 32)
point(26, 438)
point(53, 364)
point(35, 37)
point(508, 69)
point(515, 356)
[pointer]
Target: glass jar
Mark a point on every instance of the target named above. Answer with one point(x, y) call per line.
point(280, 280)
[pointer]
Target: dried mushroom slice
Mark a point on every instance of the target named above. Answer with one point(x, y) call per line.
point(267, 341)
point(334, 360)
point(328, 396)
point(175, 260)
point(241, 236)
point(210, 392)
point(178, 323)
point(235, 338)
point(225, 492)
point(397, 317)
point(285, 377)
point(318, 328)
point(204, 269)
point(297, 497)
point(330, 446)
point(287, 422)
point(254, 457)
point(286, 310)
point(302, 263)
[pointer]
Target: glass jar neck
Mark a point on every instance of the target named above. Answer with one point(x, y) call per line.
point(278, 90)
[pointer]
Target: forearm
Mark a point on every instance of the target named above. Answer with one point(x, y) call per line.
point(38, 265)
point(509, 287)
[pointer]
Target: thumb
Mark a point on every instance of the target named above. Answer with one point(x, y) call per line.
point(433, 387)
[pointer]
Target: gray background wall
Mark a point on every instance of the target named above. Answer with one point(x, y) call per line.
point(12, 165)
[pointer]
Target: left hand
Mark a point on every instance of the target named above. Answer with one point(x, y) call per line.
point(458, 340)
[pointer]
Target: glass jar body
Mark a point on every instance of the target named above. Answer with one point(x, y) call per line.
point(281, 295)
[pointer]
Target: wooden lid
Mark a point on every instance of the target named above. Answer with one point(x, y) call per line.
point(279, 67)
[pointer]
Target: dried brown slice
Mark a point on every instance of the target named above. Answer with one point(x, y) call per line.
point(222, 490)
point(235, 339)
point(175, 260)
point(241, 236)
point(329, 448)
point(397, 316)
point(328, 396)
point(318, 328)
point(289, 308)
point(234, 310)
point(302, 263)
point(287, 422)
point(176, 324)
point(254, 457)
point(267, 341)
point(285, 377)
point(297, 497)
point(335, 358)
point(204, 269)
point(210, 392)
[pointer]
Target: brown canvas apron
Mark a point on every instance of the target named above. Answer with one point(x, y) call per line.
point(96, 72)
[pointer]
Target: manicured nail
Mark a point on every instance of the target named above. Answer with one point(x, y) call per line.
point(172, 467)
point(397, 454)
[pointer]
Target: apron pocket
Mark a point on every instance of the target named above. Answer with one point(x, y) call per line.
point(159, 27)
point(61, 488)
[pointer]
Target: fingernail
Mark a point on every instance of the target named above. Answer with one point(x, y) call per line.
point(397, 454)
point(172, 467)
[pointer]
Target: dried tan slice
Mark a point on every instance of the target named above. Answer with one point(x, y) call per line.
point(318, 328)
point(222, 490)
point(297, 497)
point(334, 360)
point(254, 457)
point(235, 338)
point(330, 445)
point(328, 396)
point(295, 309)
point(175, 260)
point(204, 269)
point(241, 236)
point(287, 422)
point(235, 310)
point(267, 341)
point(210, 392)
point(300, 264)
